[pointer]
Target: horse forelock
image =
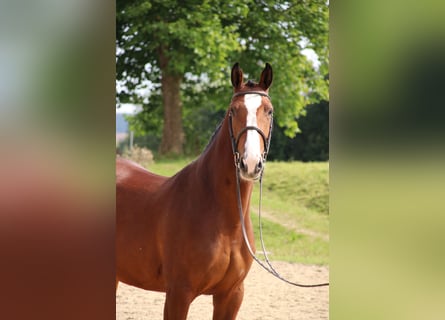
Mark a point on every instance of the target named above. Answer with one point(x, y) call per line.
point(251, 84)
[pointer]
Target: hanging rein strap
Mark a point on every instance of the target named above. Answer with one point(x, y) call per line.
point(270, 269)
point(235, 141)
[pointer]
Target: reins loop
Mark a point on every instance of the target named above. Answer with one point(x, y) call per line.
point(237, 160)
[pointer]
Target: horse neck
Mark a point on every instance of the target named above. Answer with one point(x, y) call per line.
point(218, 162)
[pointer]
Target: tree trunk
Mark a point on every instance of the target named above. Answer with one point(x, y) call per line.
point(173, 133)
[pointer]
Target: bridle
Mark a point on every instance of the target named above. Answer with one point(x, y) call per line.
point(237, 158)
point(235, 141)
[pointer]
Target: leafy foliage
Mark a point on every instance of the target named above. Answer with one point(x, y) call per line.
point(311, 144)
point(202, 40)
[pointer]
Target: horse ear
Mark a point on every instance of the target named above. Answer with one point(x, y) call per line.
point(237, 76)
point(266, 77)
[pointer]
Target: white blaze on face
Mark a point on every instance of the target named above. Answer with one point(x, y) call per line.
point(252, 151)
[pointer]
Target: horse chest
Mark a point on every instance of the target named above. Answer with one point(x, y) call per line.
point(233, 266)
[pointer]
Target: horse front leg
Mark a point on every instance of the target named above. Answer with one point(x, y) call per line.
point(177, 303)
point(226, 305)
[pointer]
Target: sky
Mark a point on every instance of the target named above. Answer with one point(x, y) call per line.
point(128, 108)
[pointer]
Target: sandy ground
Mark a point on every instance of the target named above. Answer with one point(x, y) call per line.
point(265, 297)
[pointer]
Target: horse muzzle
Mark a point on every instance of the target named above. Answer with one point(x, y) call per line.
point(251, 169)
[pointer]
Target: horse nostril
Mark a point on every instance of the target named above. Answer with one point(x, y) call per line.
point(243, 165)
point(259, 167)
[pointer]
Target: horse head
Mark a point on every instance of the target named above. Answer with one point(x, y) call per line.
point(251, 117)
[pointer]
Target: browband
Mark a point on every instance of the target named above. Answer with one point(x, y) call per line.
point(251, 92)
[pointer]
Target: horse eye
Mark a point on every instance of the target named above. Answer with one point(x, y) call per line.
point(270, 112)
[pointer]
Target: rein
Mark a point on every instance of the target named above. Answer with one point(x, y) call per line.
point(237, 159)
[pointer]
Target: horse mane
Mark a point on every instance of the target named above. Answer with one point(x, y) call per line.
point(212, 138)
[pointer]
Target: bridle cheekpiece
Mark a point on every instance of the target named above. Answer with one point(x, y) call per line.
point(235, 140)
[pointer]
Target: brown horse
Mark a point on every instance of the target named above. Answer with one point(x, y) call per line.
point(182, 235)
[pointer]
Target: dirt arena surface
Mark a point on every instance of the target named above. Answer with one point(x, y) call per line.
point(265, 297)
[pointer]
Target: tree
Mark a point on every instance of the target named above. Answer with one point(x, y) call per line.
point(311, 144)
point(190, 46)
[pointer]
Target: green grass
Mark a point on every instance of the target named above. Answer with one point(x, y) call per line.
point(284, 244)
point(296, 206)
point(295, 209)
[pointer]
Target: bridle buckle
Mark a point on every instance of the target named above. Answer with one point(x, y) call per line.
point(236, 158)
